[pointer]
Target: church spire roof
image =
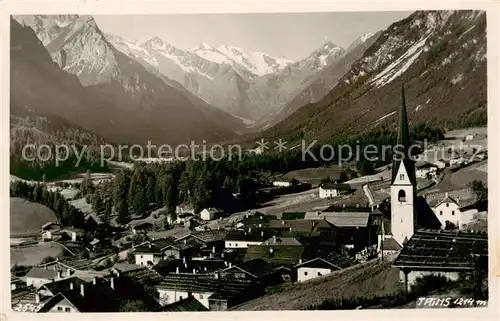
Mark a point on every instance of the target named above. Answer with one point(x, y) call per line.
point(403, 143)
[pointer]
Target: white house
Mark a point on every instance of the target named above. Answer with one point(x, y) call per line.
point(239, 239)
point(209, 213)
point(423, 169)
point(39, 276)
point(147, 255)
point(469, 137)
point(282, 183)
point(314, 268)
point(457, 161)
point(329, 190)
point(450, 210)
point(440, 164)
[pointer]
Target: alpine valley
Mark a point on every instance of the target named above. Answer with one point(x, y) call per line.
point(129, 91)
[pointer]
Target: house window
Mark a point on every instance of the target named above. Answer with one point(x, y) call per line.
point(59, 308)
point(440, 212)
point(236, 244)
point(229, 244)
point(401, 177)
point(305, 272)
point(452, 212)
point(402, 196)
point(67, 309)
point(319, 273)
point(447, 204)
point(180, 297)
point(201, 296)
point(141, 256)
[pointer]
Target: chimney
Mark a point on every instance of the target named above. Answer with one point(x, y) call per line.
point(194, 271)
point(112, 283)
point(149, 245)
point(372, 208)
point(261, 233)
point(249, 230)
point(68, 273)
point(185, 241)
point(343, 205)
point(300, 261)
point(94, 280)
point(225, 263)
point(260, 225)
point(357, 205)
point(213, 249)
point(282, 222)
point(59, 274)
point(37, 298)
point(274, 239)
point(290, 229)
point(230, 264)
point(177, 270)
point(184, 260)
point(446, 194)
point(82, 289)
point(216, 275)
point(71, 286)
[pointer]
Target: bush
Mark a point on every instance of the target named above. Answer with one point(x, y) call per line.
point(47, 259)
point(425, 285)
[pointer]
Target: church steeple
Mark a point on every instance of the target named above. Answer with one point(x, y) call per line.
point(403, 143)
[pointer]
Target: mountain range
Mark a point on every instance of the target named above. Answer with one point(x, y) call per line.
point(440, 56)
point(129, 91)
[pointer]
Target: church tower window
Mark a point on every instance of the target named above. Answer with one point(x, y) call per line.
point(402, 196)
point(401, 177)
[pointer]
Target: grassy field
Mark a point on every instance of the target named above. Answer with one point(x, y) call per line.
point(314, 175)
point(373, 278)
point(27, 218)
point(32, 255)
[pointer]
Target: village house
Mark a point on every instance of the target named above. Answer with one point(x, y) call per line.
point(98, 295)
point(141, 227)
point(189, 304)
point(423, 169)
point(243, 238)
point(214, 293)
point(439, 252)
point(458, 161)
point(39, 276)
point(469, 137)
point(283, 183)
point(456, 210)
point(147, 255)
point(321, 266)
point(329, 190)
point(210, 213)
point(259, 270)
point(440, 164)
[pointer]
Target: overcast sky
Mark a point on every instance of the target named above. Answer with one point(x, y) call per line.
point(293, 35)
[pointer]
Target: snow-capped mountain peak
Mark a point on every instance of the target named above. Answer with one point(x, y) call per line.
point(257, 63)
point(155, 43)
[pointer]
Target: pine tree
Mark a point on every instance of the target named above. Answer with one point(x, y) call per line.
point(106, 215)
point(123, 213)
point(38, 193)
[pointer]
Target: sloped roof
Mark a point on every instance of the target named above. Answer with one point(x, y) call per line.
point(276, 254)
point(390, 244)
point(282, 241)
point(336, 186)
point(41, 273)
point(443, 250)
point(252, 236)
point(64, 284)
point(347, 219)
point(149, 249)
point(189, 304)
point(203, 283)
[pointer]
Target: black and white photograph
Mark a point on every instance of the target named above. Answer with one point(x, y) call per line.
point(278, 161)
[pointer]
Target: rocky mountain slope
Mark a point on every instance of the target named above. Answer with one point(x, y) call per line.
point(440, 55)
point(98, 87)
point(247, 84)
point(325, 80)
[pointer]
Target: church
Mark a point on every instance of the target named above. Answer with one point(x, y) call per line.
point(409, 212)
